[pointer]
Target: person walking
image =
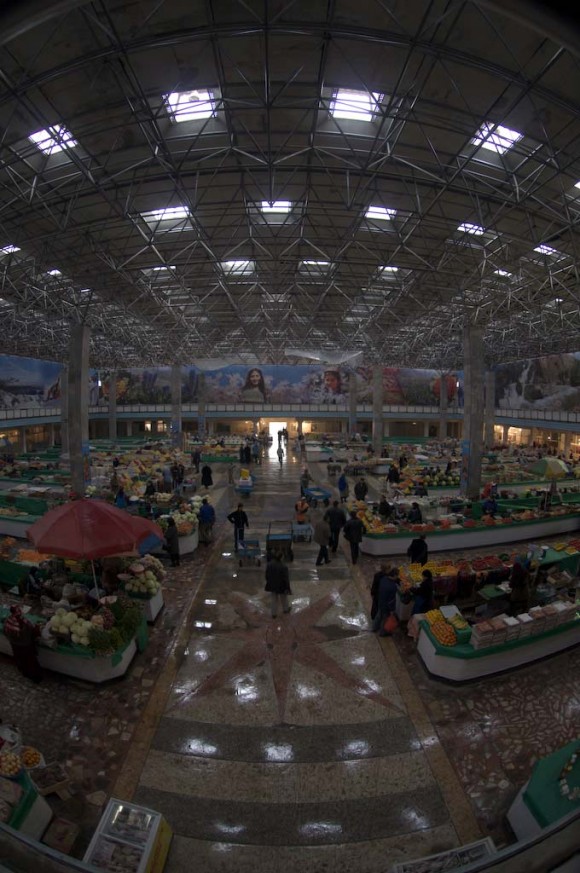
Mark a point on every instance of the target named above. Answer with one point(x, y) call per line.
point(321, 536)
point(256, 452)
point(424, 597)
point(336, 518)
point(196, 459)
point(374, 587)
point(353, 533)
point(418, 553)
point(301, 511)
point(206, 476)
point(342, 486)
point(172, 542)
point(386, 600)
point(247, 455)
point(278, 583)
point(242, 454)
point(239, 519)
point(22, 635)
point(280, 453)
point(361, 489)
point(206, 522)
point(305, 479)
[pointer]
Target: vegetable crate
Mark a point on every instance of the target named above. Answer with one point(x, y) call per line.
point(250, 552)
point(280, 541)
point(301, 532)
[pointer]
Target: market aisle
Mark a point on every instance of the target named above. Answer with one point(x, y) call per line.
point(286, 743)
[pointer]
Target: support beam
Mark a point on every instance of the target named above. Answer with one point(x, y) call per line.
point(443, 400)
point(78, 400)
point(64, 410)
point(489, 408)
point(352, 388)
point(506, 430)
point(472, 411)
point(176, 422)
point(377, 409)
point(113, 406)
point(201, 401)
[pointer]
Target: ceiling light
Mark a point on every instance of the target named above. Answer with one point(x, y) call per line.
point(543, 249)
point(380, 213)
point(238, 267)
point(279, 207)
point(558, 299)
point(315, 266)
point(503, 273)
point(496, 138)
point(191, 105)
point(388, 270)
point(53, 272)
point(9, 250)
point(165, 214)
point(473, 229)
point(355, 105)
point(53, 139)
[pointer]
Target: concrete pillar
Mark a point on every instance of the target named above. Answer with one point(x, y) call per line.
point(567, 443)
point(386, 428)
point(176, 423)
point(489, 408)
point(352, 388)
point(299, 426)
point(377, 409)
point(443, 400)
point(128, 428)
point(23, 445)
point(51, 436)
point(209, 426)
point(201, 401)
point(78, 399)
point(426, 429)
point(112, 405)
point(64, 410)
point(473, 411)
point(505, 433)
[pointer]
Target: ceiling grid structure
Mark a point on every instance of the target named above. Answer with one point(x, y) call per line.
point(238, 179)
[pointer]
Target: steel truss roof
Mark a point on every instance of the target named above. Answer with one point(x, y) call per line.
point(443, 70)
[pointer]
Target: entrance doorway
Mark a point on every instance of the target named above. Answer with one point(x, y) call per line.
point(273, 428)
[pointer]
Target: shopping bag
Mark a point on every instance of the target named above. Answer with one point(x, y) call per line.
point(391, 623)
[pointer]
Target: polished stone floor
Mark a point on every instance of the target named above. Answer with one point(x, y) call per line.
point(297, 743)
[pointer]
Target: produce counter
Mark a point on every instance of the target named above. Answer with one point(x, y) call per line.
point(152, 606)
point(8, 483)
point(16, 525)
point(463, 663)
point(31, 814)
point(189, 543)
point(129, 838)
point(220, 459)
point(471, 537)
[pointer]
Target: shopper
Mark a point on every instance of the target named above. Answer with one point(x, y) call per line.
point(336, 518)
point(280, 453)
point(415, 516)
point(150, 489)
point(256, 452)
point(206, 476)
point(424, 596)
point(121, 501)
point(242, 454)
point(361, 489)
point(278, 583)
point(167, 478)
point(196, 459)
point(247, 455)
point(206, 522)
point(386, 600)
point(172, 542)
point(418, 552)
point(301, 511)
point(374, 587)
point(353, 533)
point(342, 486)
point(520, 585)
point(22, 635)
point(305, 479)
point(385, 508)
point(239, 519)
point(321, 537)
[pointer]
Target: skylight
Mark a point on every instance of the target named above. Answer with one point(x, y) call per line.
point(380, 213)
point(496, 138)
point(238, 268)
point(53, 139)
point(53, 272)
point(191, 105)
point(388, 271)
point(315, 266)
point(473, 229)
point(277, 207)
point(9, 250)
point(355, 105)
point(504, 273)
point(543, 249)
point(172, 212)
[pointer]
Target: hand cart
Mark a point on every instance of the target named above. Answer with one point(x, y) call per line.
point(245, 489)
point(301, 532)
point(280, 541)
point(313, 495)
point(249, 550)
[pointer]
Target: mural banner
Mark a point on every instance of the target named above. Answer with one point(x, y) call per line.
point(551, 382)
point(26, 382)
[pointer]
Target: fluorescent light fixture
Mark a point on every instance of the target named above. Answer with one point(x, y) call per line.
point(279, 207)
point(543, 249)
point(558, 299)
point(53, 272)
point(53, 139)
point(162, 267)
point(315, 266)
point(504, 273)
point(386, 271)
point(473, 229)
point(238, 267)
point(191, 105)
point(380, 213)
point(172, 212)
point(496, 138)
point(355, 105)
point(9, 250)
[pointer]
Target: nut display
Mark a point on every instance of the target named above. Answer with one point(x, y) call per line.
point(10, 764)
point(116, 858)
point(443, 633)
point(30, 756)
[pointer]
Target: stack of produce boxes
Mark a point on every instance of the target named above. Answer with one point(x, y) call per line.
point(499, 630)
point(538, 620)
point(512, 628)
point(482, 635)
point(566, 611)
point(551, 615)
point(526, 622)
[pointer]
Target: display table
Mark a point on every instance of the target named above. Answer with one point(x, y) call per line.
point(462, 663)
point(471, 538)
point(152, 606)
point(16, 525)
point(32, 814)
point(540, 803)
point(130, 831)
point(189, 543)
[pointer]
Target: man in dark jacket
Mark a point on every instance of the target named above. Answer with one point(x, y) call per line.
point(361, 489)
point(336, 518)
point(353, 532)
point(321, 536)
point(418, 552)
point(386, 600)
point(206, 521)
point(239, 519)
point(278, 583)
point(196, 459)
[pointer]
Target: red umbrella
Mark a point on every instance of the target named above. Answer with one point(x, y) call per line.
point(90, 529)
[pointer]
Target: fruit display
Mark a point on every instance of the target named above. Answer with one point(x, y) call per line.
point(30, 757)
point(434, 616)
point(10, 765)
point(458, 622)
point(443, 633)
point(185, 519)
point(63, 623)
point(143, 577)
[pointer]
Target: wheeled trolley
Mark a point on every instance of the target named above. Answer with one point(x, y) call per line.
point(313, 495)
point(249, 551)
point(279, 541)
point(301, 532)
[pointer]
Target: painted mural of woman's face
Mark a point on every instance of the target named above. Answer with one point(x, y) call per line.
point(331, 382)
point(255, 378)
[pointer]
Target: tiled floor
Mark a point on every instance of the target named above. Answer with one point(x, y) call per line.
point(297, 743)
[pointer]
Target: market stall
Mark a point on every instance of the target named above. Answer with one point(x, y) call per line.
point(450, 649)
point(21, 805)
point(129, 839)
